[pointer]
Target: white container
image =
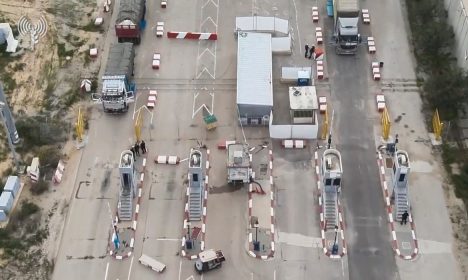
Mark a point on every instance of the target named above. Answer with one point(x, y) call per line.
point(6, 201)
point(12, 185)
point(3, 216)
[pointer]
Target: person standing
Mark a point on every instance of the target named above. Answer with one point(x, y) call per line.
point(137, 148)
point(404, 218)
point(312, 52)
point(143, 146)
point(306, 50)
point(132, 149)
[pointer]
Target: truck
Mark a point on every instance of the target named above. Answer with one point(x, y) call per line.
point(118, 90)
point(238, 164)
point(130, 21)
point(346, 31)
point(208, 260)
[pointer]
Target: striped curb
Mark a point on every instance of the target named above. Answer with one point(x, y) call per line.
point(322, 221)
point(391, 222)
point(186, 213)
point(135, 217)
point(272, 215)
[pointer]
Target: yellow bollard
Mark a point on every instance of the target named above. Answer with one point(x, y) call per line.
point(138, 124)
point(79, 125)
point(437, 125)
point(325, 126)
point(386, 124)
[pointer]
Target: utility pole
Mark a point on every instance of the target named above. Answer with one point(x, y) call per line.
point(330, 131)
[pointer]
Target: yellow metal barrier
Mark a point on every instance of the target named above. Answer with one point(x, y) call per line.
point(325, 126)
point(386, 124)
point(437, 125)
point(79, 125)
point(138, 124)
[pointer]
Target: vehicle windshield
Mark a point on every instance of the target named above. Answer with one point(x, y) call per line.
point(113, 98)
point(348, 38)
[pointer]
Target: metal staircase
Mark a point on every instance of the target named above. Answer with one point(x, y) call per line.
point(195, 200)
point(195, 204)
point(125, 206)
point(330, 209)
point(401, 202)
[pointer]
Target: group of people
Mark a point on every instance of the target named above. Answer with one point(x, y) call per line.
point(312, 52)
point(309, 51)
point(136, 148)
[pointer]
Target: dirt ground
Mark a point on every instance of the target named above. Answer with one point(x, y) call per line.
point(45, 77)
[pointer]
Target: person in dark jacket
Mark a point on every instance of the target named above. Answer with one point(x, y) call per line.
point(143, 146)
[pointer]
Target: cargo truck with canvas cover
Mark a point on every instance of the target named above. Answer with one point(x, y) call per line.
point(346, 33)
point(130, 20)
point(117, 88)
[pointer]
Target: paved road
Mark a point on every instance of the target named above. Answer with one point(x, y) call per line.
point(370, 252)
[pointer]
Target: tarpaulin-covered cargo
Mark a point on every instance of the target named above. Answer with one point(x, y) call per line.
point(130, 19)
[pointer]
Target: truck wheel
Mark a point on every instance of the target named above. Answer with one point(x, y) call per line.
point(138, 40)
point(119, 40)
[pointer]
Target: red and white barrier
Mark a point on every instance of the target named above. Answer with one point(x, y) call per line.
point(320, 69)
point(153, 95)
point(156, 61)
point(375, 66)
point(172, 160)
point(380, 98)
point(319, 35)
point(371, 45)
point(315, 14)
point(322, 104)
point(159, 29)
point(293, 144)
point(192, 35)
point(365, 16)
point(163, 4)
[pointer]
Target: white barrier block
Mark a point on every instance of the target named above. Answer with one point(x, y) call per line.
point(207, 165)
point(250, 188)
point(206, 179)
point(273, 246)
point(131, 242)
point(288, 144)
point(250, 203)
point(271, 180)
point(250, 237)
point(161, 159)
point(134, 225)
point(252, 254)
point(173, 160)
point(272, 212)
point(118, 257)
point(142, 177)
point(137, 208)
point(299, 144)
point(139, 192)
point(202, 245)
point(203, 228)
point(204, 210)
point(272, 228)
point(394, 235)
point(271, 165)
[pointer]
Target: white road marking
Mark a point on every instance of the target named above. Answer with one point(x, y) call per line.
point(251, 275)
point(342, 267)
point(130, 270)
point(180, 268)
point(274, 273)
point(297, 27)
point(168, 239)
point(107, 271)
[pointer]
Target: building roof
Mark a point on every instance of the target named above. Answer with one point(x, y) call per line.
point(303, 98)
point(254, 69)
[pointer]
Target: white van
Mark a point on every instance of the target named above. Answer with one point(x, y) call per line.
point(152, 263)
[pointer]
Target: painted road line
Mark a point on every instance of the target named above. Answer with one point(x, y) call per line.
point(130, 270)
point(107, 271)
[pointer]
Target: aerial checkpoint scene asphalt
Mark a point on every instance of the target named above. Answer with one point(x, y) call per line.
point(253, 140)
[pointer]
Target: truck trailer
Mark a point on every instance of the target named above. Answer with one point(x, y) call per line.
point(117, 87)
point(346, 33)
point(130, 20)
